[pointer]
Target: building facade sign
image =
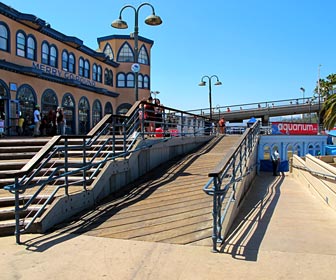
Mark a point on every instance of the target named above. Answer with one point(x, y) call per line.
point(289, 128)
point(63, 74)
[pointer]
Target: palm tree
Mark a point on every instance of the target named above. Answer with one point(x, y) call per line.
point(328, 112)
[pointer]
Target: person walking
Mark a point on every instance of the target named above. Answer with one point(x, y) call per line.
point(221, 124)
point(20, 124)
point(37, 121)
point(275, 162)
point(60, 121)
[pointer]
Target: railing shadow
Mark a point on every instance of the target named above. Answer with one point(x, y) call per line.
point(110, 206)
point(249, 228)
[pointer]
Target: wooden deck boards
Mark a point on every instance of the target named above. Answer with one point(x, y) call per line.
point(169, 206)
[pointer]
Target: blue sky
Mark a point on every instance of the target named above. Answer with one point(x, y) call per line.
point(261, 50)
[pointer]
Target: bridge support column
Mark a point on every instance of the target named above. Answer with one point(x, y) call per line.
point(265, 120)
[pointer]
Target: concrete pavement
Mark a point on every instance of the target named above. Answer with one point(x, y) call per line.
point(284, 232)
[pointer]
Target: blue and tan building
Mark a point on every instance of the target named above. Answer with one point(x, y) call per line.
point(42, 66)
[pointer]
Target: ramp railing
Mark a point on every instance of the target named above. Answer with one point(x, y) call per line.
point(226, 185)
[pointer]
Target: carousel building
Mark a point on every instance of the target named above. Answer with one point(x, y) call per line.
point(41, 66)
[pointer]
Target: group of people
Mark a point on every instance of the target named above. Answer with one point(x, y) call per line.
point(42, 125)
point(152, 114)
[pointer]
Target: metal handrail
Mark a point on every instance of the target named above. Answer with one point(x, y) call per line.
point(105, 136)
point(225, 178)
point(316, 173)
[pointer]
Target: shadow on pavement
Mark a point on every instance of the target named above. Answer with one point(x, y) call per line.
point(249, 228)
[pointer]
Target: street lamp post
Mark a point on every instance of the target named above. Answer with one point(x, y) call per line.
point(303, 100)
point(121, 24)
point(303, 93)
point(203, 83)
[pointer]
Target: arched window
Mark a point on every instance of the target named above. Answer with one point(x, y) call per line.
point(97, 112)
point(123, 108)
point(72, 63)
point(311, 149)
point(140, 81)
point(49, 54)
point(65, 60)
point(31, 48)
point(125, 54)
point(94, 72)
point(130, 80)
point(53, 56)
point(45, 53)
point(108, 51)
point(68, 104)
point(25, 46)
point(21, 44)
point(267, 152)
point(87, 69)
point(99, 74)
point(68, 61)
point(121, 80)
point(108, 108)
point(108, 77)
point(27, 99)
point(143, 56)
point(83, 116)
point(146, 82)
point(81, 67)
point(290, 152)
point(297, 150)
point(4, 91)
point(4, 37)
point(48, 102)
point(4, 97)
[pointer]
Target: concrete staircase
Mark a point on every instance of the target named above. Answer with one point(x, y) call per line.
point(14, 154)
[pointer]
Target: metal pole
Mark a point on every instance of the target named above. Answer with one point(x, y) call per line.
point(136, 33)
point(203, 83)
point(319, 101)
point(210, 102)
point(150, 20)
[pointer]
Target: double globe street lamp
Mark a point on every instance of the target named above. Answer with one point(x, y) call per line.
point(203, 83)
point(121, 24)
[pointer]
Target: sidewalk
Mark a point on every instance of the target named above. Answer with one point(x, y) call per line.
point(286, 233)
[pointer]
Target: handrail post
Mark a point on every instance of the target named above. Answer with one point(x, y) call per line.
point(215, 217)
point(142, 121)
point(66, 165)
point(113, 135)
point(17, 212)
point(182, 124)
point(84, 162)
point(124, 137)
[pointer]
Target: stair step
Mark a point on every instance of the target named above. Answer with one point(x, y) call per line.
point(9, 156)
point(10, 200)
point(7, 227)
point(8, 212)
point(45, 171)
point(4, 150)
point(71, 179)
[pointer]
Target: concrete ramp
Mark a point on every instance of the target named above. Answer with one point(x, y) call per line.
point(281, 215)
point(167, 205)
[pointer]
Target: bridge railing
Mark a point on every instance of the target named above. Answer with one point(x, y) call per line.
point(230, 181)
point(217, 111)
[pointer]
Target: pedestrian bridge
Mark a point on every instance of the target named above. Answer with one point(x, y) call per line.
point(264, 110)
